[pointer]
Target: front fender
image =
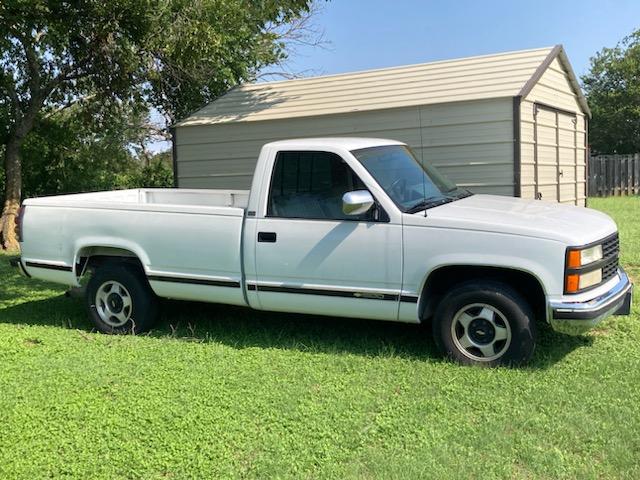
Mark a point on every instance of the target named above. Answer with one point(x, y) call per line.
point(427, 249)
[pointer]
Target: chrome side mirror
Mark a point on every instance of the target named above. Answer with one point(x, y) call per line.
point(357, 202)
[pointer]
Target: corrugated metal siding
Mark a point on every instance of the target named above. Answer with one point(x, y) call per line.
point(491, 76)
point(470, 142)
point(224, 155)
point(559, 139)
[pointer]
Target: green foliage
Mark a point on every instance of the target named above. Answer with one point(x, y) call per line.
point(201, 49)
point(70, 153)
point(159, 173)
point(232, 393)
point(64, 155)
point(174, 54)
point(612, 87)
point(55, 52)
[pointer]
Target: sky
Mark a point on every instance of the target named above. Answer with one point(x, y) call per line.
point(366, 34)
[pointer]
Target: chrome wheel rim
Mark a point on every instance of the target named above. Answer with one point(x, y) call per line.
point(481, 332)
point(113, 304)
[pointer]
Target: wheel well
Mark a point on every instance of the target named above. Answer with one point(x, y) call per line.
point(90, 258)
point(441, 280)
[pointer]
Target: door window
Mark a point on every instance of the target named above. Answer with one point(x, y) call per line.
point(311, 185)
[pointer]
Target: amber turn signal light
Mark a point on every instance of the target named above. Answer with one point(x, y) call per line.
point(573, 282)
point(573, 259)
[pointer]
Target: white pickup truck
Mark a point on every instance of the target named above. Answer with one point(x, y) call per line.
point(349, 227)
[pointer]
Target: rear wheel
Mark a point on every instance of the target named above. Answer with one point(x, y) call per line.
point(120, 300)
point(485, 323)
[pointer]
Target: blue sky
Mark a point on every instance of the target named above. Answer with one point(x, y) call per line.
point(368, 34)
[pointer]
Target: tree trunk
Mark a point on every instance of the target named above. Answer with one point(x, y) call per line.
point(13, 183)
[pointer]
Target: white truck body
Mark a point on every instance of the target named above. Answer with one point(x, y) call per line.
point(204, 245)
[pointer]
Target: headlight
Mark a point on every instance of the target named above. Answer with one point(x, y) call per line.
point(579, 258)
point(590, 279)
point(582, 269)
point(590, 255)
point(576, 282)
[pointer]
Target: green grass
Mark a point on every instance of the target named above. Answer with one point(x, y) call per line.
point(220, 392)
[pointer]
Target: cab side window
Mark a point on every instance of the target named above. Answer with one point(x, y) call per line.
point(311, 185)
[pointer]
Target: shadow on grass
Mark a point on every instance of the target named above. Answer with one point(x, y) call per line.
point(246, 328)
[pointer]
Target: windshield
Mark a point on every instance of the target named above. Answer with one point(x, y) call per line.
point(412, 185)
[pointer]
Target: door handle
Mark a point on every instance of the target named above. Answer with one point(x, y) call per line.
point(267, 237)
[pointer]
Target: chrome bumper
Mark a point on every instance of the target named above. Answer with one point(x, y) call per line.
point(574, 318)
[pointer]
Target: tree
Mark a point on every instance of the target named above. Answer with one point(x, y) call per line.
point(73, 152)
point(174, 55)
point(612, 87)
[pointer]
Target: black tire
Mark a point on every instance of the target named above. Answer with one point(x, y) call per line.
point(129, 284)
point(484, 311)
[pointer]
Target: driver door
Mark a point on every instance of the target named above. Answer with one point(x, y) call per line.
point(311, 257)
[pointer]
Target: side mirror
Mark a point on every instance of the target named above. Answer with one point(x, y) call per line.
point(357, 202)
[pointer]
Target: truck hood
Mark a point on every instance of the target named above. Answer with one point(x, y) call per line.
point(491, 213)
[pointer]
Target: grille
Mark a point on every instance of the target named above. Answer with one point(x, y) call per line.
point(610, 252)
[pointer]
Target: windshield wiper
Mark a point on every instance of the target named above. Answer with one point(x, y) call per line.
point(459, 192)
point(429, 203)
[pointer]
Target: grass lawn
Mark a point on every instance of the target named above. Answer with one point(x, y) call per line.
point(220, 392)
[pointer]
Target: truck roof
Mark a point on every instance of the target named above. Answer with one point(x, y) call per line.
point(349, 143)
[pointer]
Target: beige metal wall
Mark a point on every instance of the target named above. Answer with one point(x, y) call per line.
point(553, 151)
point(471, 142)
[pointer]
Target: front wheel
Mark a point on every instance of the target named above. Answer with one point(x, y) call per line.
point(485, 323)
point(120, 300)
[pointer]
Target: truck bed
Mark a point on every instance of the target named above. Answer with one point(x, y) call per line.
point(188, 241)
point(152, 199)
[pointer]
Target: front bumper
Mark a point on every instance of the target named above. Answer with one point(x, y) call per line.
point(574, 318)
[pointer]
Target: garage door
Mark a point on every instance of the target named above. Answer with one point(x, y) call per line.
point(556, 155)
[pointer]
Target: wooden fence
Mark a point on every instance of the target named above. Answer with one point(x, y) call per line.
point(614, 175)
